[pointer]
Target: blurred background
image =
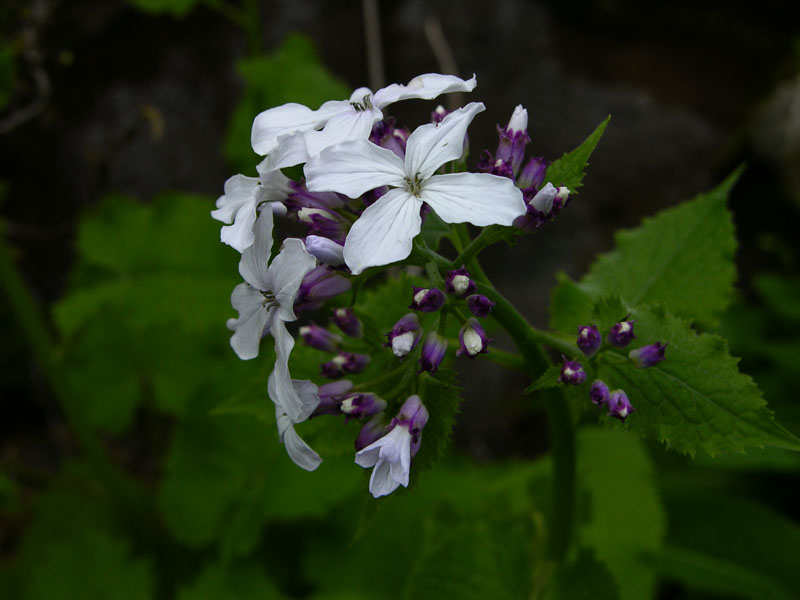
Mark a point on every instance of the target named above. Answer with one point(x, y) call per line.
point(150, 102)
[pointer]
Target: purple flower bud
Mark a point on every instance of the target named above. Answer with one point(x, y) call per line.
point(433, 350)
point(325, 250)
point(473, 339)
point(647, 356)
point(572, 373)
point(321, 284)
point(621, 334)
point(533, 173)
point(413, 416)
point(619, 406)
point(513, 139)
point(404, 335)
point(479, 305)
point(330, 397)
point(589, 339)
point(438, 114)
point(344, 362)
point(459, 282)
point(599, 392)
point(347, 321)
point(385, 134)
point(320, 338)
point(358, 406)
point(300, 198)
point(372, 431)
point(427, 299)
point(542, 201)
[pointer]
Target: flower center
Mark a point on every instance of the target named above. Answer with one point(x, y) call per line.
point(269, 300)
point(365, 104)
point(413, 186)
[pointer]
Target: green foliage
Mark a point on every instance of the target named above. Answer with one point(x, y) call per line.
point(177, 8)
point(757, 562)
point(583, 578)
point(620, 515)
point(569, 169)
point(696, 399)
point(442, 397)
point(548, 379)
point(228, 581)
point(293, 73)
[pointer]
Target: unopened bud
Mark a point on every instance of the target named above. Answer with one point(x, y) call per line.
point(433, 351)
point(572, 373)
point(427, 299)
point(404, 335)
point(459, 282)
point(479, 305)
point(621, 334)
point(589, 339)
point(473, 339)
point(619, 406)
point(320, 338)
point(647, 356)
point(599, 393)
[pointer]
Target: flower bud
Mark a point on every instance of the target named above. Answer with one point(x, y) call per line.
point(647, 356)
point(347, 321)
point(459, 282)
point(619, 406)
point(427, 300)
point(433, 351)
point(621, 334)
point(325, 251)
point(320, 284)
point(330, 397)
point(404, 335)
point(533, 173)
point(599, 393)
point(589, 339)
point(572, 373)
point(300, 198)
point(413, 416)
point(323, 222)
point(372, 431)
point(543, 200)
point(479, 305)
point(358, 406)
point(438, 114)
point(344, 362)
point(472, 338)
point(386, 135)
point(320, 338)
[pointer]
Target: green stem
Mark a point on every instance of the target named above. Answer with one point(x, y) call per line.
point(487, 237)
point(252, 26)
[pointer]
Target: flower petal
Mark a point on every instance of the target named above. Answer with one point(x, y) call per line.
point(432, 145)
point(239, 190)
point(253, 266)
point(249, 327)
point(290, 150)
point(425, 87)
point(286, 274)
point(477, 198)
point(381, 482)
point(288, 119)
point(280, 386)
point(301, 453)
point(352, 168)
point(343, 127)
point(383, 233)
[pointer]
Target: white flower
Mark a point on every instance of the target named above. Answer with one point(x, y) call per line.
point(264, 302)
point(238, 205)
point(391, 458)
point(384, 232)
point(292, 133)
point(307, 394)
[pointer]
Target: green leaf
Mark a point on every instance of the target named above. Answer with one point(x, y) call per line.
point(756, 559)
point(433, 230)
point(682, 258)
point(178, 8)
point(441, 395)
point(696, 399)
point(230, 581)
point(569, 169)
point(583, 578)
point(620, 515)
point(548, 379)
point(570, 306)
point(293, 73)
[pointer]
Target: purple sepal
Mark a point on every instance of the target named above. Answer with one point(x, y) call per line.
point(358, 406)
point(479, 305)
point(473, 339)
point(459, 282)
point(320, 338)
point(589, 339)
point(542, 206)
point(427, 299)
point(346, 320)
point(324, 223)
point(619, 406)
point(330, 397)
point(647, 356)
point(373, 430)
point(413, 416)
point(438, 114)
point(385, 134)
point(433, 352)
point(300, 198)
point(344, 362)
point(533, 173)
point(599, 393)
point(572, 373)
point(404, 335)
point(621, 334)
point(320, 284)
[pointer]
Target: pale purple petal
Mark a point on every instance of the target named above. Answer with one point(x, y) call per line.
point(287, 119)
point(430, 146)
point(381, 482)
point(289, 150)
point(249, 327)
point(253, 266)
point(299, 451)
point(353, 168)
point(280, 386)
point(286, 274)
point(384, 232)
point(343, 127)
point(324, 250)
point(425, 87)
point(477, 198)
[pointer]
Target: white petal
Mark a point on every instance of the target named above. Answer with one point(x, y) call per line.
point(426, 87)
point(301, 453)
point(430, 146)
point(352, 168)
point(477, 198)
point(253, 266)
point(286, 274)
point(289, 150)
point(248, 328)
point(381, 482)
point(280, 386)
point(383, 232)
point(239, 190)
point(275, 185)
point(367, 457)
point(271, 124)
point(352, 125)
